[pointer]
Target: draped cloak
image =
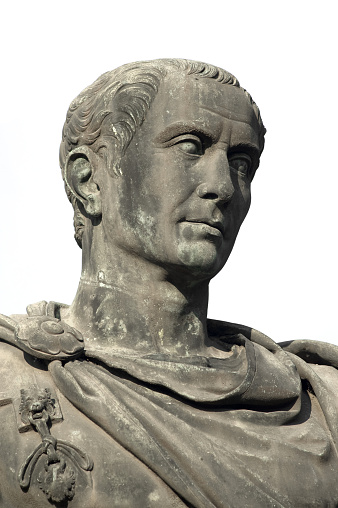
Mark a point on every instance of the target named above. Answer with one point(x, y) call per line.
point(257, 427)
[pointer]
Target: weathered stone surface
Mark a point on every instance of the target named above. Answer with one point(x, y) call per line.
point(130, 397)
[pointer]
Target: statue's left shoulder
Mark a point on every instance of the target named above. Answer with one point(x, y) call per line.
point(313, 351)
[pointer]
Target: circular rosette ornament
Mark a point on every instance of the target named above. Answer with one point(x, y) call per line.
point(49, 338)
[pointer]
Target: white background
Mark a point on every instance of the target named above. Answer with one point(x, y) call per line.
point(282, 275)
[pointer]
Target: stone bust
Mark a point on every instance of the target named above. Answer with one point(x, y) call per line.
point(130, 396)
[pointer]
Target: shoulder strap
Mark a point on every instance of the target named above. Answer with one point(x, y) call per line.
point(42, 334)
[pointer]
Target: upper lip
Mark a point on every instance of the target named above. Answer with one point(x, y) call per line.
point(210, 222)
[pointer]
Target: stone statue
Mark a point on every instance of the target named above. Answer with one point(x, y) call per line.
point(130, 397)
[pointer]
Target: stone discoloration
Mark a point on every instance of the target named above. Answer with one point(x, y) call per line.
point(158, 405)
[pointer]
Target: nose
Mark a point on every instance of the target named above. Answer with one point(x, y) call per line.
point(217, 184)
point(37, 406)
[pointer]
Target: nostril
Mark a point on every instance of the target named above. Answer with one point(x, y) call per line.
point(202, 191)
point(210, 195)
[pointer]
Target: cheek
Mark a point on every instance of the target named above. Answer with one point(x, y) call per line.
point(247, 199)
point(173, 170)
point(243, 195)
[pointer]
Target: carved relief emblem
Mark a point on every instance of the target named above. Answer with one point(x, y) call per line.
point(62, 460)
point(49, 338)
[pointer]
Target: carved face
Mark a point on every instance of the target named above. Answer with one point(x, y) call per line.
point(185, 188)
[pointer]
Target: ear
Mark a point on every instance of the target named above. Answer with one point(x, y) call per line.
point(81, 166)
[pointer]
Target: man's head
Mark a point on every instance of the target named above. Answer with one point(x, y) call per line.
point(159, 157)
point(106, 115)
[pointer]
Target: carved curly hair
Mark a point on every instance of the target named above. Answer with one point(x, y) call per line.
point(114, 106)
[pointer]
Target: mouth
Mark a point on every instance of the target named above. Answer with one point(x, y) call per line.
point(212, 224)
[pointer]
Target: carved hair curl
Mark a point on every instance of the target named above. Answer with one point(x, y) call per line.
point(115, 105)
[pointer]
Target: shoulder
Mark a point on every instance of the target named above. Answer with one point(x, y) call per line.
point(311, 351)
point(41, 333)
point(18, 360)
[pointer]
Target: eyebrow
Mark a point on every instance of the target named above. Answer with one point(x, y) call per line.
point(251, 148)
point(178, 128)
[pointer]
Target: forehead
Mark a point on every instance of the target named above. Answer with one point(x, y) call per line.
point(205, 104)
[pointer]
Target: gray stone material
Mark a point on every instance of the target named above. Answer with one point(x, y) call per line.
point(130, 396)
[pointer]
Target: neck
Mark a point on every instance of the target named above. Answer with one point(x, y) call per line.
point(132, 305)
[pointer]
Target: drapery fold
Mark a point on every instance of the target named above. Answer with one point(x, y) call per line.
point(236, 430)
point(211, 447)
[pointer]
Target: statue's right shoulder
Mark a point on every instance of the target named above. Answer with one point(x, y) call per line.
point(41, 333)
point(8, 325)
point(16, 368)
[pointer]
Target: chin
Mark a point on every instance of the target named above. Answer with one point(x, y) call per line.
point(203, 261)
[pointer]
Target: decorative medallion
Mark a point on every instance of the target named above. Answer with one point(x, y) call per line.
point(57, 478)
point(49, 338)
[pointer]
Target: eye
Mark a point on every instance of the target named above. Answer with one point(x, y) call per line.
point(241, 162)
point(189, 144)
point(191, 147)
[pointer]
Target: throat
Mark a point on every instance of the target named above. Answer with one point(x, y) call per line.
point(152, 318)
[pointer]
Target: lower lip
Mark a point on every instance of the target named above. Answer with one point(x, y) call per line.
point(210, 230)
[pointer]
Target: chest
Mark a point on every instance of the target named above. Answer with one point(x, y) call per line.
point(211, 458)
point(117, 478)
